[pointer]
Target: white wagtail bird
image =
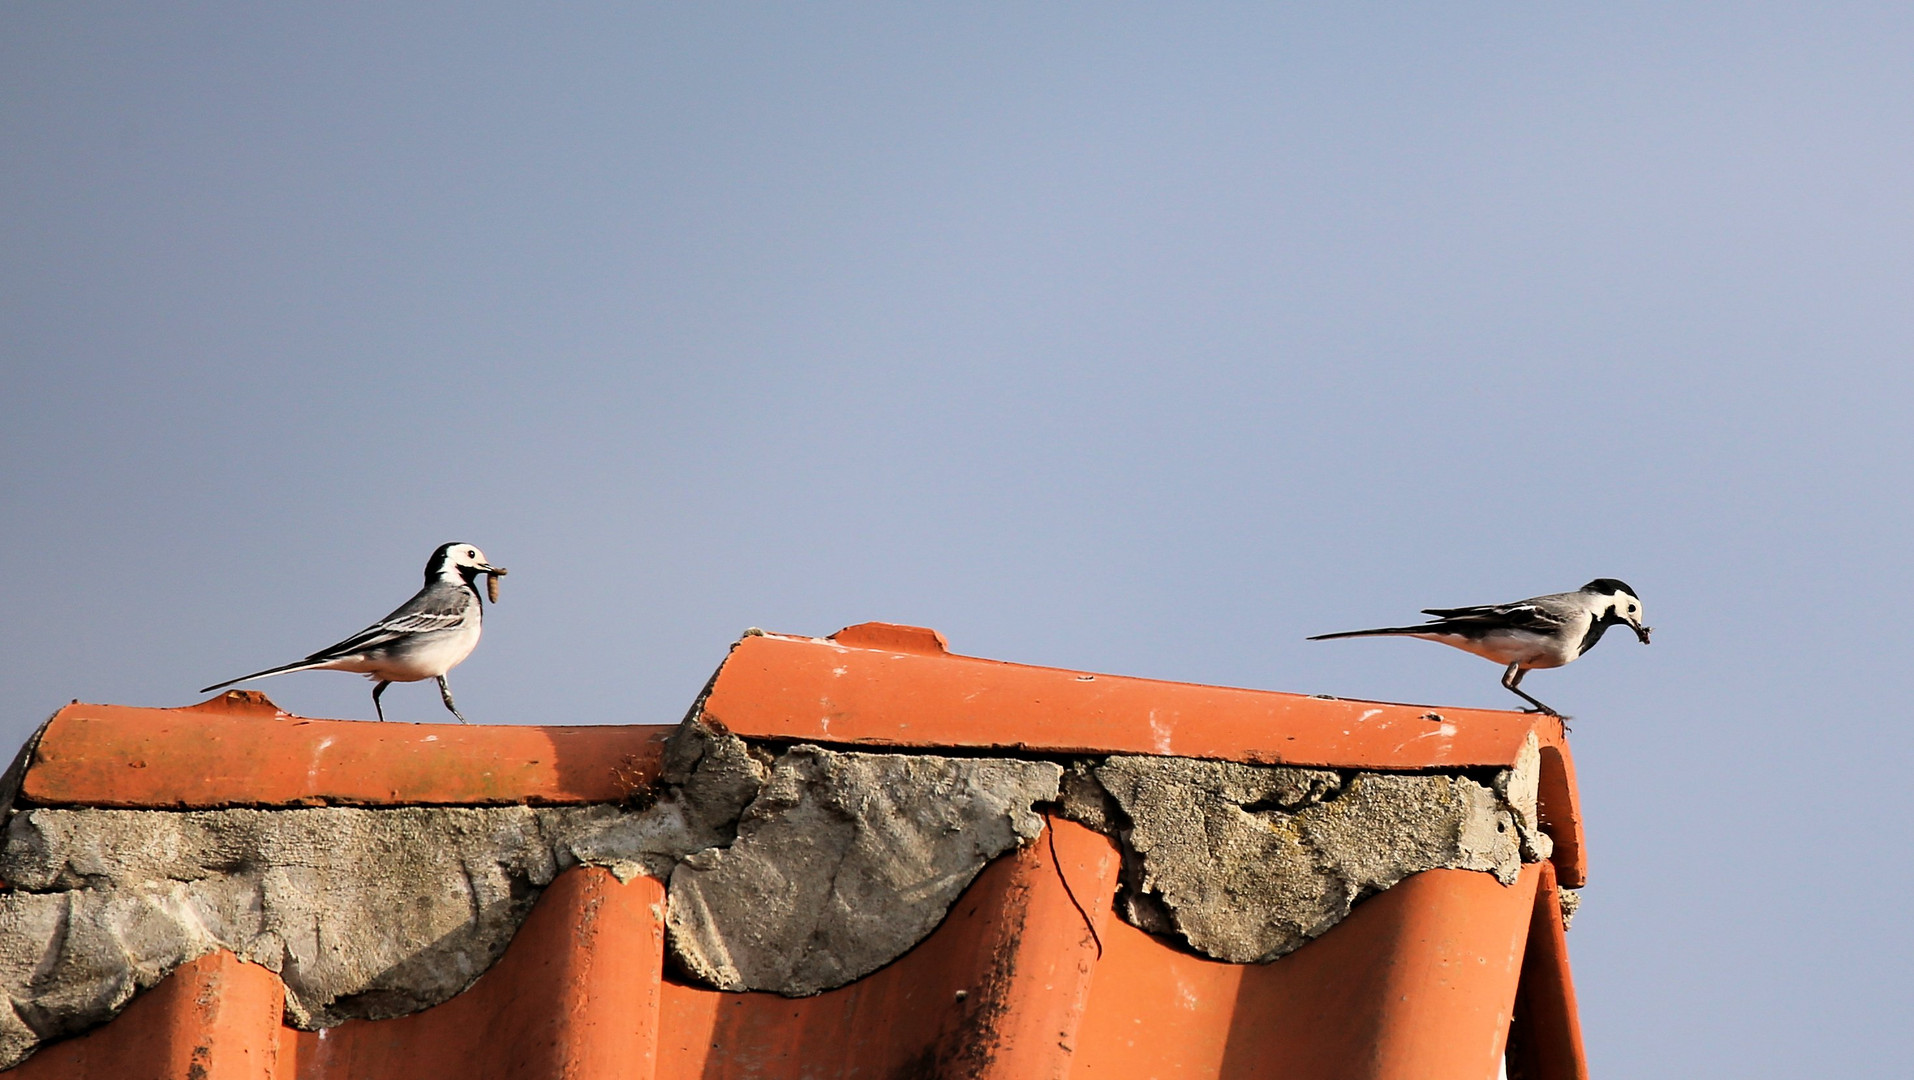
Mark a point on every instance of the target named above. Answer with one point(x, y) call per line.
point(426, 637)
point(1540, 632)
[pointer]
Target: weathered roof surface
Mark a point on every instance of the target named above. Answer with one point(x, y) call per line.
point(1031, 974)
point(239, 749)
point(1421, 981)
point(899, 686)
point(878, 684)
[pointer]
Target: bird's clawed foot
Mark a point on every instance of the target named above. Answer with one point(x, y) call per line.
point(445, 692)
point(1546, 711)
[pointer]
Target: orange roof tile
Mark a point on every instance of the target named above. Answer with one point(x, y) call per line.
point(877, 684)
point(1423, 980)
point(239, 749)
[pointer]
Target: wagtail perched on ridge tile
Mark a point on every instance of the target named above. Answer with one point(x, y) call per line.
point(426, 637)
point(1540, 632)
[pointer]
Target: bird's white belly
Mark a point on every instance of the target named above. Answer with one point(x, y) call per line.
point(1512, 647)
point(424, 656)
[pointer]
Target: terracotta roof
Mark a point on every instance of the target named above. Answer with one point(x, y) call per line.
point(1029, 976)
point(239, 749)
point(877, 684)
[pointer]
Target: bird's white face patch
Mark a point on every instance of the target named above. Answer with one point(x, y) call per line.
point(1630, 608)
point(1626, 606)
point(458, 559)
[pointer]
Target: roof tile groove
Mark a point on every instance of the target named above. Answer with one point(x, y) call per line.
point(1420, 981)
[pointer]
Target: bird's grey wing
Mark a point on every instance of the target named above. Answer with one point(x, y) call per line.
point(1526, 615)
point(1461, 612)
point(432, 609)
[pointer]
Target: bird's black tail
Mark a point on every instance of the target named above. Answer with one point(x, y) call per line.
point(282, 669)
point(1382, 631)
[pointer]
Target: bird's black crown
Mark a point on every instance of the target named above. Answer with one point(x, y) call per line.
point(1608, 585)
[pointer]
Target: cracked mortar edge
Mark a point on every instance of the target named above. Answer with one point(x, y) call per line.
point(1247, 863)
point(794, 873)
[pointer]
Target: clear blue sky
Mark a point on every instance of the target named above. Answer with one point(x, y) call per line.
point(1138, 339)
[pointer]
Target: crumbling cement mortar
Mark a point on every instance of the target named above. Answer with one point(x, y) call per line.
point(380, 913)
point(843, 858)
point(795, 873)
point(1248, 863)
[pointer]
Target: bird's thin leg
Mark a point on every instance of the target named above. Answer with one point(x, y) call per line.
point(376, 691)
point(445, 691)
point(1512, 677)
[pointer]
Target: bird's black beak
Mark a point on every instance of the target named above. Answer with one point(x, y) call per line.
point(488, 568)
point(1641, 631)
